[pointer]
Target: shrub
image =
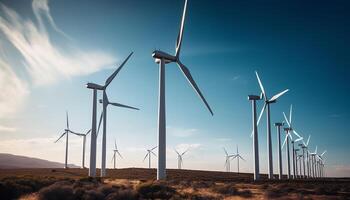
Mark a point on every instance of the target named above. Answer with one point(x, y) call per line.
point(150, 190)
point(56, 191)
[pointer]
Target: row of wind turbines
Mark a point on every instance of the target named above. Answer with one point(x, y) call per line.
point(312, 163)
point(162, 59)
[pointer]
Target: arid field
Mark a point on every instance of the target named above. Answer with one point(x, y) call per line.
point(136, 183)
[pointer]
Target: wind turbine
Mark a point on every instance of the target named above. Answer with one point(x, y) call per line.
point(238, 156)
point(280, 172)
point(253, 99)
point(148, 154)
point(296, 162)
point(95, 87)
point(115, 151)
point(227, 160)
point(105, 102)
point(66, 132)
point(162, 59)
point(179, 158)
point(303, 147)
point(84, 143)
point(307, 156)
point(267, 107)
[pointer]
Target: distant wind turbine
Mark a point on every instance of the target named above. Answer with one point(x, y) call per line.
point(162, 59)
point(66, 132)
point(179, 158)
point(280, 172)
point(95, 87)
point(238, 156)
point(228, 158)
point(115, 152)
point(148, 154)
point(267, 107)
point(84, 144)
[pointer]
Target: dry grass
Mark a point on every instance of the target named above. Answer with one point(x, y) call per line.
point(135, 183)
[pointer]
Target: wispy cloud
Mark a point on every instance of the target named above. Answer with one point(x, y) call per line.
point(7, 129)
point(13, 90)
point(235, 78)
point(182, 132)
point(183, 147)
point(45, 61)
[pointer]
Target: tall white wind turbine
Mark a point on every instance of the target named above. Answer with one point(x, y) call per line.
point(162, 59)
point(280, 172)
point(253, 99)
point(66, 133)
point(286, 141)
point(180, 158)
point(238, 156)
point(304, 147)
point(115, 152)
point(84, 144)
point(267, 107)
point(149, 154)
point(95, 87)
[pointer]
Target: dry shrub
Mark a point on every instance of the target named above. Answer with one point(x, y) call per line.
point(14, 187)
point(230, 190)
point(155, 190)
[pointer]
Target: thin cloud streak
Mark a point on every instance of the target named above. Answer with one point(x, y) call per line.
point(44, 61)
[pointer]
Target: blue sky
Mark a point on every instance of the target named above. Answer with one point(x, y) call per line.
point(292, 44)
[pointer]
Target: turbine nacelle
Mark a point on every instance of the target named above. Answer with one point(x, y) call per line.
point(254, 97)
point(158, 55)
point(95, 86)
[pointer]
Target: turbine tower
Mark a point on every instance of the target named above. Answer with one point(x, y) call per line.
point(179, 158)
point(227, 160)
point(148, 154)
point(280, 172)
point(238, 156)
point(267, 107)
point(286, 141)
point(305, 145)
point(296, 162)
point(253, 99)
point(115, 152)
point(95, 87)
point(66, 132)
point(84, 144)
point(162, 59)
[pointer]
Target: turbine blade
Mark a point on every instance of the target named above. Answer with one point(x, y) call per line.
point(60, 137)
point(154, 148)
point(154, 154)
point(177, 152)
point(99, 124)
point(110, 78)
point(145, 157)
point(278, 95)
point(242, 157)
point(296, 134)
point(285, 140)
point(261, 85)
point(113, 156)
point(75, 133)
point(324, 152)
point(188, 75)
point(290, 136)
point(316, 150)
point(181, 31)
point(123, 106)
point(308, 140)
point(89, 131)
point(261, 113)
point(285, 117)
point(67, 120)
point(225, 151)
point(119, 154)
point(115, 144)
point(184, 152)
point(297, 140)
point(290, 113)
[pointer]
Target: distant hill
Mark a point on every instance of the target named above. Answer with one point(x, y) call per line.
point(10, 161)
